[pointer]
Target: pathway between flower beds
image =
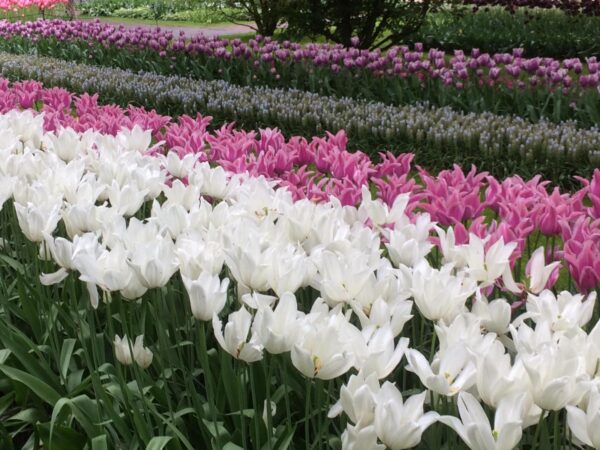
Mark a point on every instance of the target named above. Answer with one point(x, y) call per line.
point(223, 29)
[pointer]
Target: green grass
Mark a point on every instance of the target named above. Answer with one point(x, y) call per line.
point(166, 23)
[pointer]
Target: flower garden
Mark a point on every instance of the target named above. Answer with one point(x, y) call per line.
point(214, 243)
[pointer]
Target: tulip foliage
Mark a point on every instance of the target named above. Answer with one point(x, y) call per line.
point(152, 298)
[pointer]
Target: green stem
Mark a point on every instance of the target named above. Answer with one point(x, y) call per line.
point(307, 413)
point(286, 396)
point(538, 429)
point(256, 407)
point(208, 380)
point(267, 365)
point(557, 433)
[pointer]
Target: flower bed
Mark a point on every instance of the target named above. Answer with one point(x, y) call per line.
point(504, 82)
point(252, 310)
point(322, 168)
point(499, 144)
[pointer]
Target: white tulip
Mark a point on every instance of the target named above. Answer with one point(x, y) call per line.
point(207, 294)
point(127, 353)
point(342, 275)
point(494, 316)
point(585, 424)
point(127, 199)
point(564, 313)
point(452, 373)
point(438, 294)
point(135, 139)
point(474, 427)
point(234, 339)
point(35, 221)
point(383, 354)
point(327, 347)
point(277, 328)
point(358, 399)
point(555, 372)
point(154, 263)
point(539, 271)
point(356, 438)
point(400, 424)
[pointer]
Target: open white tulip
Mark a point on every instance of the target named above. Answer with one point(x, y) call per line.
point(358, 399)
point(585, 424)
point(326, 348)
point(400, 424)
point(277, 328)
point(539, 271)
point(438, 294)
point(234, 339)
point(454, 372)
point(356, 438)
point(474, 427)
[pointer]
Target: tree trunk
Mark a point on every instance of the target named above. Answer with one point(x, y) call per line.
point(71, 11)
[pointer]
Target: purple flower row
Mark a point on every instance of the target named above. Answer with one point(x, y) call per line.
point(457, 69)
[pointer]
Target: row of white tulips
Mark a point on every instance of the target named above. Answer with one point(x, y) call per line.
point(369, 265)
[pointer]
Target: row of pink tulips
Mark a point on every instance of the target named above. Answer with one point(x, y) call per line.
point(18, 4)
point(323, 168)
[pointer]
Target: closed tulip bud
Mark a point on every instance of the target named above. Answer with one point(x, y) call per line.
point(207, 294)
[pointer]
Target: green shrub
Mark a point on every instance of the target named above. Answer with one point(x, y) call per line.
point(207, 15)
point(540, 32)
point(141, 12)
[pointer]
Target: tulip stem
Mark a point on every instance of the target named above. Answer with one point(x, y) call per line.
point(307, 413)
point(432, 348)
point(538, 429)
point(267, 365)
point(208, 382)
point(556, 430)
point(256, 408)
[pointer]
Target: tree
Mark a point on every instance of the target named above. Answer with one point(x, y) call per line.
point(374, 23)
point(70, 8)
point(267, 14)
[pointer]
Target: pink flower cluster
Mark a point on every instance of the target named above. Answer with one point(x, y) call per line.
point(474, 202)
point(19, 4)
point(457, 69)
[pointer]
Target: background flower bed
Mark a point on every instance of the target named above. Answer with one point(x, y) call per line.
point(440, 137)
point(502, 83)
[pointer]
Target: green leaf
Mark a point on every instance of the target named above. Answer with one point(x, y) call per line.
point(158, 442)
point(30, 415)
point(4, 354)
point(63, 438)
point(37, 386)
point(99, 443)
point(22, 348)
point(65, 356)
point(13, 263)
point(232, 446)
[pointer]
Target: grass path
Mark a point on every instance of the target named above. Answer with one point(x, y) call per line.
point(189, 28)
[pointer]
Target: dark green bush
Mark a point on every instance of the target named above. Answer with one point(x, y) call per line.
point(540, 32)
